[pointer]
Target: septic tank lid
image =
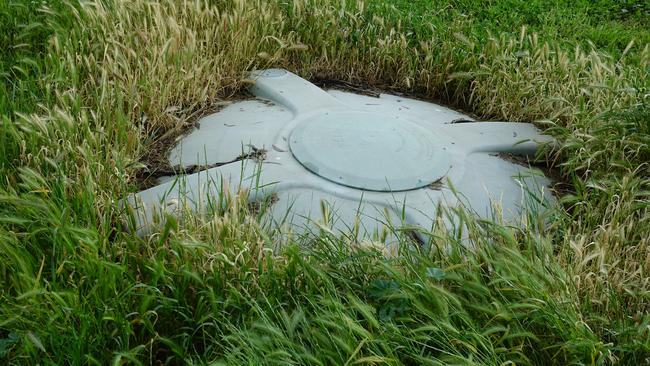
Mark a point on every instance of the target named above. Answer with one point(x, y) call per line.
point(369, 151)
point(357, 163)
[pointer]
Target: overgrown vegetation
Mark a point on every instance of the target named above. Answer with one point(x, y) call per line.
point(88, 88)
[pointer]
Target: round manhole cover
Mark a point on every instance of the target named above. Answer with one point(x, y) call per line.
point(369, 151)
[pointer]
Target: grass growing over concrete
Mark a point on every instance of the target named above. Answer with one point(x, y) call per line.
point(88, 89)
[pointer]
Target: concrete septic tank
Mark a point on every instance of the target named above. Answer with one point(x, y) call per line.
point(370, 160)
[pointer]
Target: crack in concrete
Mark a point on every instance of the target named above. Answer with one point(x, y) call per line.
point(256, 154)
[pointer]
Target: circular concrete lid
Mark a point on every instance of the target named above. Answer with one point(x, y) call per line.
point(369, 151)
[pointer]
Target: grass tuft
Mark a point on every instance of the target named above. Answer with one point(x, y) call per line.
point(89, 89)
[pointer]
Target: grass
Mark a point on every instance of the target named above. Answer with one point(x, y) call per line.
point(608, 25)
point(88, 89)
